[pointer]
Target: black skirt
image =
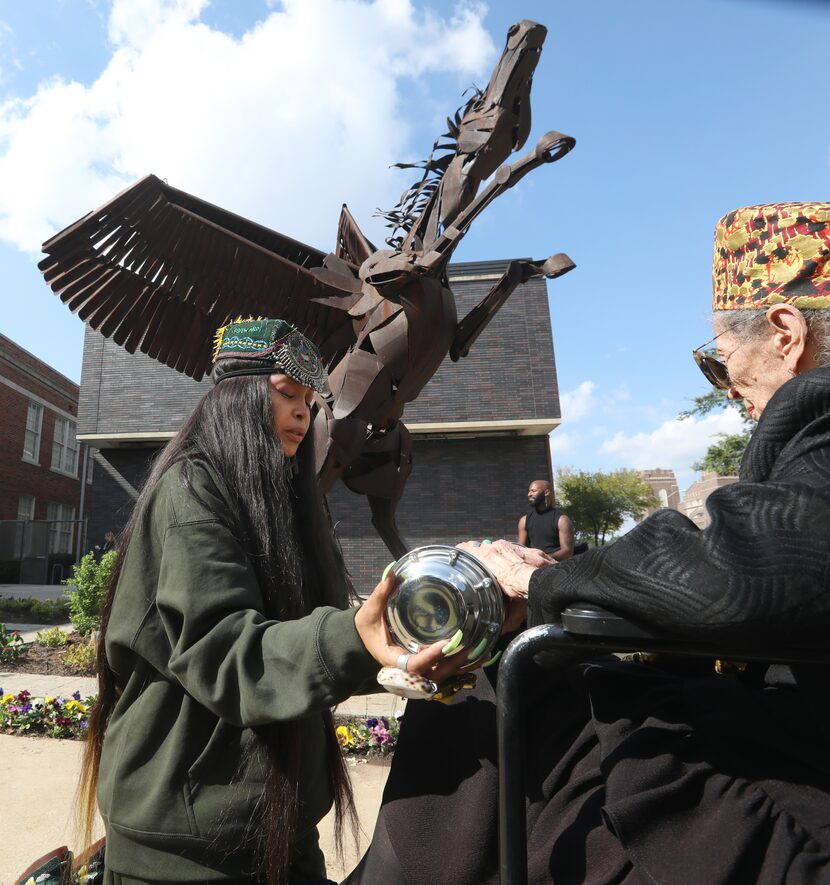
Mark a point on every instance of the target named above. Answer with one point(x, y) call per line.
point(634, 775)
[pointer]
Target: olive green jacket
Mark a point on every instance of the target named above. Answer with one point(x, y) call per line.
point(198, 664)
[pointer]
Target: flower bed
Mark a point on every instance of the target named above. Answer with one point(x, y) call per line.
point(375, 736)
point(60, 717)
point(57, 717)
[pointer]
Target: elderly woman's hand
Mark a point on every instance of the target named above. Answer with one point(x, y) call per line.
point(511, 564)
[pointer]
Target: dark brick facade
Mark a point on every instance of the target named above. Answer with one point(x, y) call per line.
point(24, 378)
point(459, 489)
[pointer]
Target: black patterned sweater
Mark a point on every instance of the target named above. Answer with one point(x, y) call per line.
point(759, 576)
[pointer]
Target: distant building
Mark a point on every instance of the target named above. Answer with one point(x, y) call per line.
point(45, 474)
point(694, 501)
point(476, 442)
point(664, 486)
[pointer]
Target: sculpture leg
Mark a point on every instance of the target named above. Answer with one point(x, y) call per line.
point(338, 443)
point(381, 473)
point(383, 519)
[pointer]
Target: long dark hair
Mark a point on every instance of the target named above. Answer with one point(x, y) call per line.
point(277, 513)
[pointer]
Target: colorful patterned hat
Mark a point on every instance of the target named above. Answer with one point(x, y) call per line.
point(775, 254)
point(275, 342)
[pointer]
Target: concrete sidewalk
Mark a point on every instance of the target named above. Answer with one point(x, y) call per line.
point(41, 592)
point(39, 776)
point(43, 773)
point(28, 632)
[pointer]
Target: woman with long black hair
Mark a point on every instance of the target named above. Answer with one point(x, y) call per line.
point(227, 636)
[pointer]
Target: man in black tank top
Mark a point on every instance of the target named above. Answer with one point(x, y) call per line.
point(544, 527)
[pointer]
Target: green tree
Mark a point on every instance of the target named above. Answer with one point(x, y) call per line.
point(87, 589)
point(723, 457)
point(599, 503)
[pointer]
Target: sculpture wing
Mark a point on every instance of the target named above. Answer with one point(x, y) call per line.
point(158, 270)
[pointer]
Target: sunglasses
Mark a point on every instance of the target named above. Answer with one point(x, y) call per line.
point(714, 371)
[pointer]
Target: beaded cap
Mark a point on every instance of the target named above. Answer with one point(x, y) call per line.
point(272, 341)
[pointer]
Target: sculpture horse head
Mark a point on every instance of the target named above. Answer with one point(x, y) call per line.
point(435, 212)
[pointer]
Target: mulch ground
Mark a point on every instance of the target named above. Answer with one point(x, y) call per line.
point(49, 661)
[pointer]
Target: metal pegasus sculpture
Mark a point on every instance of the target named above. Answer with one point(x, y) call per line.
point(158, 270)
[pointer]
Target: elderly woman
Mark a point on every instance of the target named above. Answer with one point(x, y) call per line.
point(668, 772)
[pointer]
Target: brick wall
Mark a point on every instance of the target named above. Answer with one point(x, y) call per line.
point(22, 377)
point(119, 476)
point(459, 489)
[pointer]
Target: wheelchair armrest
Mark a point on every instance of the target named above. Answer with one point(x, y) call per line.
point(585, 619)
point(589, 624)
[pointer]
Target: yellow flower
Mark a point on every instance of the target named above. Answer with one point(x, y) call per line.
point(6, 699)
point(344, 736)
point(48, 700)
point(75, 707)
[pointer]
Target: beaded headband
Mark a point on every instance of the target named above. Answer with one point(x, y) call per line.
point(773, 254)
point(272, 341)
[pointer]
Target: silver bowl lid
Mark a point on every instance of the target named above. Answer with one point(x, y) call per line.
point(441, 590)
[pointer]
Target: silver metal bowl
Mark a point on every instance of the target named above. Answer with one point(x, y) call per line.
point(441, 590)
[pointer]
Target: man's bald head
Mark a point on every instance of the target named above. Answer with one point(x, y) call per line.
point(539, 494)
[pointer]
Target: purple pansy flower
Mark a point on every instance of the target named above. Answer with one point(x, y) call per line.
point(381, 735)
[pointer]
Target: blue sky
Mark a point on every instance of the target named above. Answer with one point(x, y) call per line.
point(281, 111)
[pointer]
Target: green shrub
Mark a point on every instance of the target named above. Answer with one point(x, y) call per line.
point(81, 656)
point(34, 611)
point(54, 638)
point(87, 589)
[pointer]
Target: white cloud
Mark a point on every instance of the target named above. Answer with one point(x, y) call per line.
point(579, 402)
point(281, 125)
point(675, 444)
point(584, 399)
point(562, 443)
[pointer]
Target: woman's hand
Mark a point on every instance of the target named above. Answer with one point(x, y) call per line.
point(511, 564)
point(430, 661)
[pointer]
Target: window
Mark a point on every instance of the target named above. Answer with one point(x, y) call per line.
point(90, 464)
point(61, 523)
point(65, 447)
point(31, 442)
point(26, 507)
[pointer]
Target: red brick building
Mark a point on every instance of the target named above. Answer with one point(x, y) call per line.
point(694, 501)
point(42, 465)
point(663, 484)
